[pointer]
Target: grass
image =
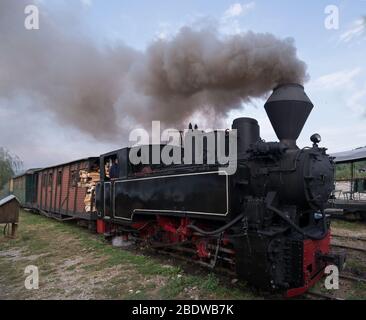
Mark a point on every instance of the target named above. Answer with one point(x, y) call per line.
point(76, 264)
point(358, 292)
point(88, 267)
point(356, 266)
point(209, 284)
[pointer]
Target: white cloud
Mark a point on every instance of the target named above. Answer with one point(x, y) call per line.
point(86, 3)
point(357, 101)
point(336, 79)
point(238, 9)
point(349, 85)
point(358, 29)
point(341, 137)
point(230, 20)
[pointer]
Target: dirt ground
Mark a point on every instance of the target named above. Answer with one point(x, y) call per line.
point(76, 264)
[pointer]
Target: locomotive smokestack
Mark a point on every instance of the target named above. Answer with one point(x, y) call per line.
point(248, 133)
point(288, 108)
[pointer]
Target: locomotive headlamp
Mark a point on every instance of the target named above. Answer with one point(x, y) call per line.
point(316, 138)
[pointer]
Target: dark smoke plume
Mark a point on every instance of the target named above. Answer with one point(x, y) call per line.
point(107, 91)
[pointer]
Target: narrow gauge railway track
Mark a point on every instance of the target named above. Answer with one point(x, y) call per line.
point(222, 271)
point(222, 260)
point(342, 218)
point(324, 296)
point(341, 246)
point(226, 267)
point(184, 254)
point(348, 237)
point(348, 217)
point(227, 270)
point(352, 278)
point(231, 273)
point(219, 255)
point(346, 246)
point(311, 295)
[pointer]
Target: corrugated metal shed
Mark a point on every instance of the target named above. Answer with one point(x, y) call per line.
point(358, 154)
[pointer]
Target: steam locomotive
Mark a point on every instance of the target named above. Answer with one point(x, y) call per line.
point(266, 221)
point(268, 217)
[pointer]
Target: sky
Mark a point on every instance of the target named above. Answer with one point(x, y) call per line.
point(335, 58)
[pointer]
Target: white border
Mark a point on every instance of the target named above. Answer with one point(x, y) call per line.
point(175, 211)
point(110, 196)
point(99, 213)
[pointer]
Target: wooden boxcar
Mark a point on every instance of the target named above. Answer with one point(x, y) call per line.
point(24, 187)
point(31, 188)
point(67, 190)
point(19, 188)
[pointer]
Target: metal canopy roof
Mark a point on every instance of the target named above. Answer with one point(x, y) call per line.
point(358, 154)
point(7, 200)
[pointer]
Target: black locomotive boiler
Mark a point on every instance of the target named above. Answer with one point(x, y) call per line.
point(266, 221)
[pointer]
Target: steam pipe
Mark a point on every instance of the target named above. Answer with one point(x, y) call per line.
point(282, 215)
point(217, 231)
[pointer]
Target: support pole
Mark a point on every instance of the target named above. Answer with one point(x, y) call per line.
point(352, 179)
point(14, 228)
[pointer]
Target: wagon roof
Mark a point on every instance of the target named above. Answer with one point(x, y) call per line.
point(358, 154)
point(30, 171)
point(7, 200)
point(69, 163)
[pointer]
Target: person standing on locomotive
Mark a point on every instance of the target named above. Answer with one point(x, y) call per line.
point(114, 170)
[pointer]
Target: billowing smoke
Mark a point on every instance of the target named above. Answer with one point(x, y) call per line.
point(106, 91)
point(199, 69)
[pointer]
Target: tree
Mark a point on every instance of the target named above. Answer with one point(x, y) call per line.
point(9, 165)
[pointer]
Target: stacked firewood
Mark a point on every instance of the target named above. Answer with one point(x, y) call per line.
point(88, 180)
point(106, 169)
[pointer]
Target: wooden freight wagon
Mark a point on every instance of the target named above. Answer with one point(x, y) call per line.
point(19, 188)
point(67, 191)
point(24, 187)
point(31, 188)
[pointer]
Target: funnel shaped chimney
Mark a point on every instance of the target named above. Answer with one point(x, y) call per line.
point(288, 108)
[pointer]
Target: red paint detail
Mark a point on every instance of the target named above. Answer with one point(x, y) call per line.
point(177, 231)
point(101, 228)
point(167, 224)
point(202, 249)
point(147, 229)
point(299, 291)
point(225, 240)
point(183, 229)
point(313, 268)
point(139, 225)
